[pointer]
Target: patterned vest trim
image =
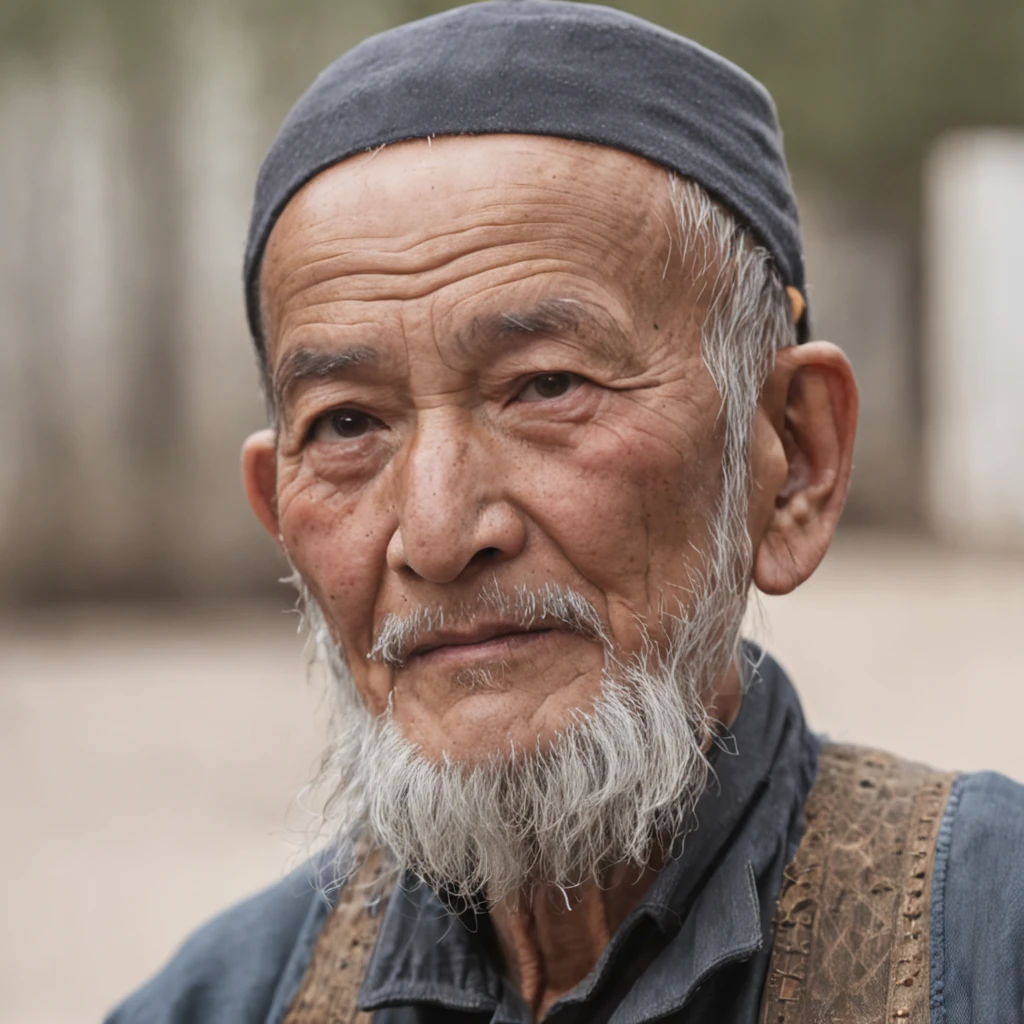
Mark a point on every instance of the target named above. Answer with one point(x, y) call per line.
point(329, 990)
point(852, 919)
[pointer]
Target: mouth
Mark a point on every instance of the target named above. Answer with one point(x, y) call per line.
point(475, 646)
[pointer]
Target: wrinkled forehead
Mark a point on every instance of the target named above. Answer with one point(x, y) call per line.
point(454, 206)
point(547, 68)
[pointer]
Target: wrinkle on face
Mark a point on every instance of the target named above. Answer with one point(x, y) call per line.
point(462, 271)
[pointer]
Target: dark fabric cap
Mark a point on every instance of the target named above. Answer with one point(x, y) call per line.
point(542, 67)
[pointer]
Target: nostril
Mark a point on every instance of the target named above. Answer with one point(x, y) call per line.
point(487, 555)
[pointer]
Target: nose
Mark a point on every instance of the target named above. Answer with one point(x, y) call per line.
point(453, 512)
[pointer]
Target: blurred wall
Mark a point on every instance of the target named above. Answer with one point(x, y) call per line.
point(128, 382)
point(863, 298)
point(975, 338)
point(132, 133)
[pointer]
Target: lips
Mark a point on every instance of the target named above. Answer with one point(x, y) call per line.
point(481, 642)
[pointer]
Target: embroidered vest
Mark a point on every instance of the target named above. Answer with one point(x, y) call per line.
point(851, 923)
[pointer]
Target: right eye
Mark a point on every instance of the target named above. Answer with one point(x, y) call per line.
point(546, 387)
point(343, 425)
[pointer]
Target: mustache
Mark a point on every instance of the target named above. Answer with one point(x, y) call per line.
point(551, 606)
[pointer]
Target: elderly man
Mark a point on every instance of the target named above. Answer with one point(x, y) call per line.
point(526, 285)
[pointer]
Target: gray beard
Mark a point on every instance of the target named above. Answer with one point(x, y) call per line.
point(614, 786)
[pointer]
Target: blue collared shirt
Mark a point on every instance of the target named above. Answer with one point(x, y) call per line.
point(695, 949)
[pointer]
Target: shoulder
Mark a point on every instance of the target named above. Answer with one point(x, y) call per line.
point(240, 966)
point(977, 931)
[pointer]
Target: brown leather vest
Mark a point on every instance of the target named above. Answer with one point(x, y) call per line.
point(851, 936)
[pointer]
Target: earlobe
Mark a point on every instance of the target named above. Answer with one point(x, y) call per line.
point(816, 423)
point(259, 475)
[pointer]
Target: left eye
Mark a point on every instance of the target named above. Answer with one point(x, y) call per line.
point(344, 424)
point(546, 386)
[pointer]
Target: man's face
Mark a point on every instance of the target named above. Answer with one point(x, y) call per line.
point(486, 355)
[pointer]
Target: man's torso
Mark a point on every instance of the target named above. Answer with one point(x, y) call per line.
point(697, 949)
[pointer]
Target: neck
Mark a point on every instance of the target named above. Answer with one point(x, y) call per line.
point(551, 939)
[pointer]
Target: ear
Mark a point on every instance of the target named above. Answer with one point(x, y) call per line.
point(810, 399)
point(259, 474)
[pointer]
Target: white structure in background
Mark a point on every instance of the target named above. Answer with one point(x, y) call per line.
point(974, 338)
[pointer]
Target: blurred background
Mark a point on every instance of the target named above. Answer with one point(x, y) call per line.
point(156, 719)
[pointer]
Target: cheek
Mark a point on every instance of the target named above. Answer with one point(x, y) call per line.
point(338, 543)
point(627, 510)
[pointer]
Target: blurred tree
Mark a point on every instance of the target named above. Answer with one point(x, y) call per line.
point(862, 86)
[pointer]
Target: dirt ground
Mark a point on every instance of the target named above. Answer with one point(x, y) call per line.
point(149, 760)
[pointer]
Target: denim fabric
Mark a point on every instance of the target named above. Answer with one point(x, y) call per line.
point(695, 950)
point(977, 928)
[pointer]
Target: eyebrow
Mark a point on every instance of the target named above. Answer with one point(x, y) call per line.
point(560, 316)
point(552, 317)
point(305, 364)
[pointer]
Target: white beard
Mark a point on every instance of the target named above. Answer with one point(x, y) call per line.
point(613, 786)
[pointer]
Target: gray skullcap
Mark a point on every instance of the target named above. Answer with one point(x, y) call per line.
point(542, 67)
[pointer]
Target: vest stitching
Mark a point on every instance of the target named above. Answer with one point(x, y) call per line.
point(937, 938)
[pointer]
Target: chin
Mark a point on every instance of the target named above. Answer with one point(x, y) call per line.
point(489, 726)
